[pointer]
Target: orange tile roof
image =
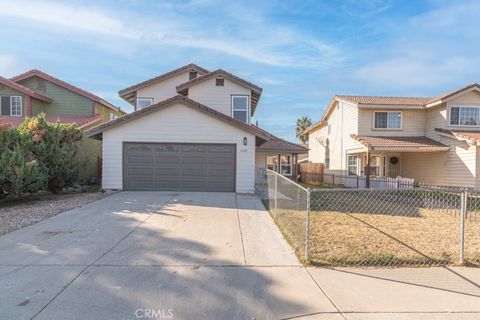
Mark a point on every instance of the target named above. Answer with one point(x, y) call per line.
point(373, 142)
point(471, 135)
point(373, 100)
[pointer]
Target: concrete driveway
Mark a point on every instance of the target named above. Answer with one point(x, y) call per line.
point(160, 255)
point(151, 255)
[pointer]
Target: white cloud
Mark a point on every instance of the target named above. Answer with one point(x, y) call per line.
point(83, 18)
point(9, 65)
point(245, 36)
point(412, 71)
point(434, 50)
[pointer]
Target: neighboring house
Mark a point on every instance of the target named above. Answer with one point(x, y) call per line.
point(35, 92)
point(191, 130)
point(431, 140)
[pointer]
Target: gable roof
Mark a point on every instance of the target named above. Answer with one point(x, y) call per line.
point(96, 131)
point(65, 85)
point(129, 92)
point(29, 92)
point(256, 90)
point(446, 96)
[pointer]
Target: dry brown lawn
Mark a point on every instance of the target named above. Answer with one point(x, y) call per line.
point(358, 239)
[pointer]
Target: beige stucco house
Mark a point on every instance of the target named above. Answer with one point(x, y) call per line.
point(430, 140)
point(191, 131)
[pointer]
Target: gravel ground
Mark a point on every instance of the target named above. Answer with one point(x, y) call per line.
point(36, 208)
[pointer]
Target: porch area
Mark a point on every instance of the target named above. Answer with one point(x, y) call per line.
point(387, 162)
point(280, 156)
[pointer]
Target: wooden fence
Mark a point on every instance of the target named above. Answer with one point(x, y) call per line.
point(311, 173)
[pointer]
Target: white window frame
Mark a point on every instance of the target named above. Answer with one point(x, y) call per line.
point(248, 105)
point(142, 98)
point(387, 111)
point(460, 108)
point(113, 116)
point(348, 165)
point(19, 105)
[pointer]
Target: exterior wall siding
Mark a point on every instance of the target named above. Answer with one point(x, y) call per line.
point(456, 167)
point(164, 89)
point(344, 122)
point(64, 101)
point(218, 98)
point(413, 123)
point(163, 126)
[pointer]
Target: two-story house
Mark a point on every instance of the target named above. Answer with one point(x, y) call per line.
point(431, 140)
point(35, 92)
point(191, 130)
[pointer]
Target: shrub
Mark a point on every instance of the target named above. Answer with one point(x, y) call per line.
point(55, 146)
point(20, 172)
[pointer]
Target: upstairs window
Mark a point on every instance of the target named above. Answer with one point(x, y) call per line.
point(219, 82)
point(465, 116)
point(113, 116)
point(240, 108)
point(144, 102)
point(11, 106)
point(192, 75)
point(388, 120)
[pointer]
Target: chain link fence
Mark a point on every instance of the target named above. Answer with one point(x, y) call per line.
point(402, 227)
point(288, 205)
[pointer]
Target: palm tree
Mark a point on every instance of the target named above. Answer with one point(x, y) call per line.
point(302, 124)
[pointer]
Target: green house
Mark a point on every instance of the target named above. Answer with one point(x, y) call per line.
point(35, 92)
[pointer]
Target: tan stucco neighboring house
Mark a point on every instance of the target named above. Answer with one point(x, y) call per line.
point(191, 131)
point(430, 140)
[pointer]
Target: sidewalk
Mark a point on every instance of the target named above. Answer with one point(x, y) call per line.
point(406, 293)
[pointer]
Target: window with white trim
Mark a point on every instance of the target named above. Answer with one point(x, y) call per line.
point(113, 116)
point(11, 106)
point(465, 116)
point(352, 165)
point(240, 108)
point(388, 120)
point(144, 102)
point(15, 106)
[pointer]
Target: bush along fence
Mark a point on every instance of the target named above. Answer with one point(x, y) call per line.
point(389, 227)
point(38, 155)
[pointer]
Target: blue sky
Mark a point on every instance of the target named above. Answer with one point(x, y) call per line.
point(301, 52)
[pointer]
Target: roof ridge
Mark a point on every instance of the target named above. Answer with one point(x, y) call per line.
point(399, 97)
point(160, 77)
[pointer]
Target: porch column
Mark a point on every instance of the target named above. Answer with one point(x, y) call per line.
point(367, 169)
point(278, 164)
point(294, 166)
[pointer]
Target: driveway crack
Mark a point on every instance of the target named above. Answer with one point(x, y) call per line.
point(240, 229)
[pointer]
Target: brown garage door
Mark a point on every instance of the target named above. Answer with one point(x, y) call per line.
point(181, 167)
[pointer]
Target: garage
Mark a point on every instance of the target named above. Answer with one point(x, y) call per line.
point(179, 166)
